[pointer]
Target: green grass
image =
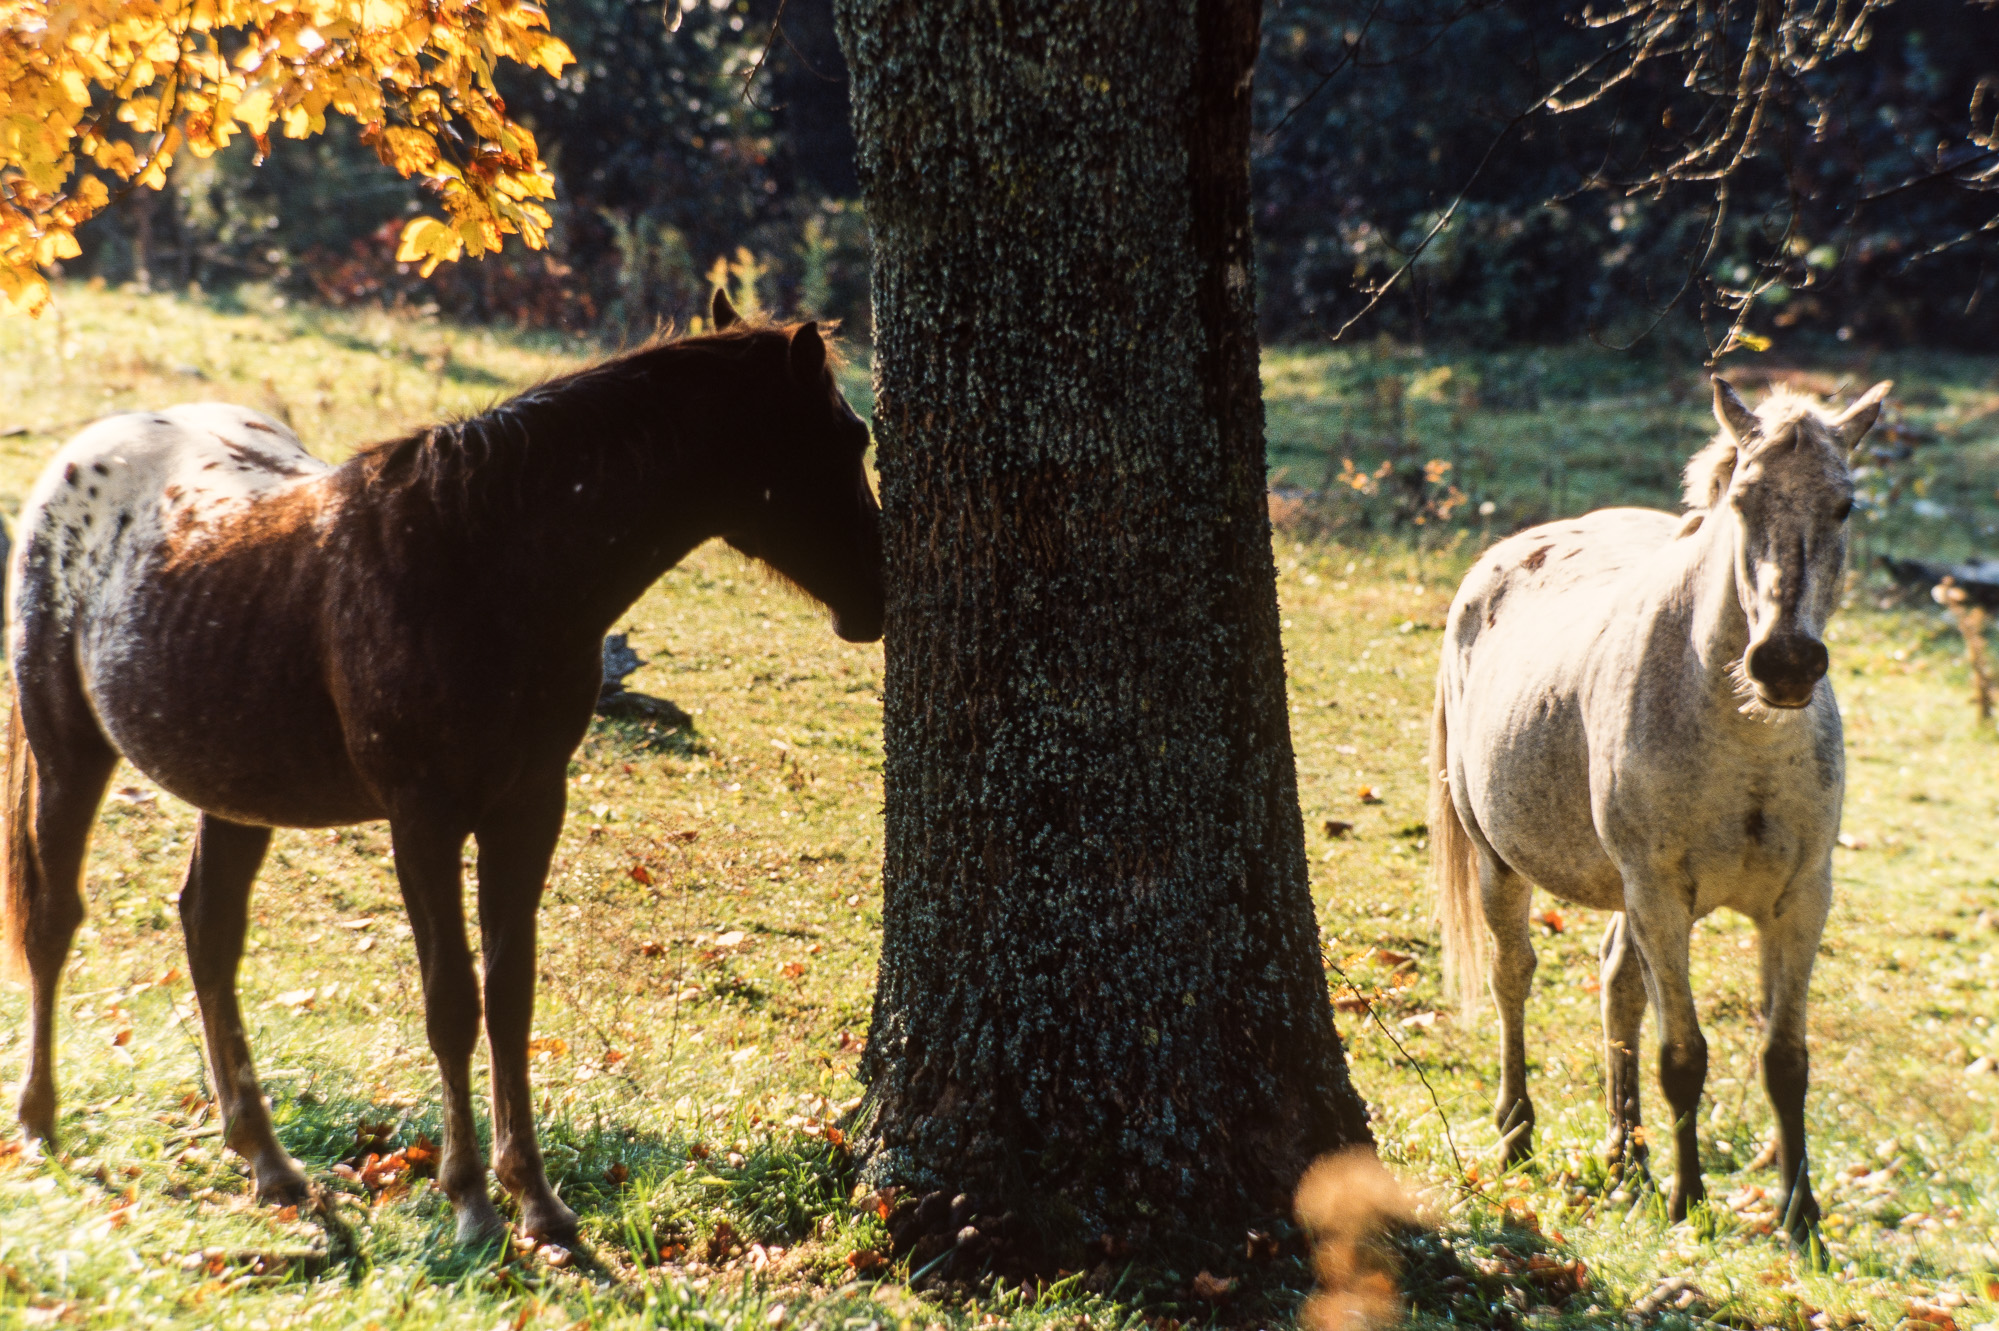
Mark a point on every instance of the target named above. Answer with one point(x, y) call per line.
point(701, 1028)
point(1550, 432)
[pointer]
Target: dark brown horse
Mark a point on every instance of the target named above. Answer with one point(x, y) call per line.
point(413, 636)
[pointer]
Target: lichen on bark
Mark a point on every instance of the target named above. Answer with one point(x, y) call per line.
point(1100, 976)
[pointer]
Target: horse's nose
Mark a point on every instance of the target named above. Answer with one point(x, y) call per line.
point(1787, 668)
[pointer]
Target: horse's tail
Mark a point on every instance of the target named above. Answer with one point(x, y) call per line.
point(1454, 873)
point(19, 890)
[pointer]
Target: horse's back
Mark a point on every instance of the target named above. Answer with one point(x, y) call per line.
point(121, 493)
point(1563, 569)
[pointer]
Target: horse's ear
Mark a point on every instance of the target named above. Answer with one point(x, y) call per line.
point(1733, 413)
point(808, 355)
point(1854, 423)
point(722, 310)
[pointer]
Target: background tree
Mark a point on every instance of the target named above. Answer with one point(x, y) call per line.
point(1101, 992)
point(1788, 168)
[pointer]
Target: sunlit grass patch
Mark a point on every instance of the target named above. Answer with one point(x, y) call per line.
point(712, 919)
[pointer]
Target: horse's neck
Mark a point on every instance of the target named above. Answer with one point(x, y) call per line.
point(584, 523)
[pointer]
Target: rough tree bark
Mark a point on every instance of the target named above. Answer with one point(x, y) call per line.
point(1100, 979)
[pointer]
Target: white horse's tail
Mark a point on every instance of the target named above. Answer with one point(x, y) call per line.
point(1454, 873)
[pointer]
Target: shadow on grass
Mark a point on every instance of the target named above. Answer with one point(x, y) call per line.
point(640, 731)
point(646, 1195)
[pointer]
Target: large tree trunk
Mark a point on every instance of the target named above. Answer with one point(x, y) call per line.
point(1100, 973)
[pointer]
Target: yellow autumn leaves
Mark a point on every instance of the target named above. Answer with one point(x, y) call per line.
point(110, 90)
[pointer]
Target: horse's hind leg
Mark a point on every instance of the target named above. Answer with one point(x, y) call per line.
point(427, 868)
point(1623, 976)
point(515, 843)
point(1507, 899)
point(214, 914)
point(1790, 942)
point(55, 782)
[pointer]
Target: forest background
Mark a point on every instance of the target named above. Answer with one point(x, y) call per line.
point(701, 130)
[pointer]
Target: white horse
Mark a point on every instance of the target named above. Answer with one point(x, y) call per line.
point(1632, 713)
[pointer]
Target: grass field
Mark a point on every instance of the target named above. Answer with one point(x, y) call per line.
point(703, 1000)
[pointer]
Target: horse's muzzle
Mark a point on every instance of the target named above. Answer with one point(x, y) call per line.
point(857, 628)
point(1787, 669)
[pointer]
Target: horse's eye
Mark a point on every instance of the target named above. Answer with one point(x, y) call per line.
point(1845, 510)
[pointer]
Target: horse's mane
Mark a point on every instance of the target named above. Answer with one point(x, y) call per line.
point(1708, 471)
point(590, 402)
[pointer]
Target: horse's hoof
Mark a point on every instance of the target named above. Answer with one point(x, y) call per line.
point(1805, 1223)
point(547, 1220)
point(283, 1187)
point(38, 1119)
point(479, 1223)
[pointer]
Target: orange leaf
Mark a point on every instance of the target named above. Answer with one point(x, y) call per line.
point(1212, 1288)
point(641, 875)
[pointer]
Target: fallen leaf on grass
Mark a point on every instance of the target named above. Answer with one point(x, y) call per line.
point(1673, 1292)
point(791, 970)
point(1350, 999)
point(1212, 1288)
point(553, 1047)
point(881, 1202)
point(641, 875)
point(1550, 919)
point(134, 795)
point(617, 1174)
point(1337, 828)
point(651, 949)
point(1368, 795)
point(866, 1261)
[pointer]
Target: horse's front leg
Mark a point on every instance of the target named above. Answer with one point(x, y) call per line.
point(1623, 978)
point(1656, 914)
point(1507, 899)
point(214, 914)
point(428, 870)
point(1789, 944)
point(515, 844)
